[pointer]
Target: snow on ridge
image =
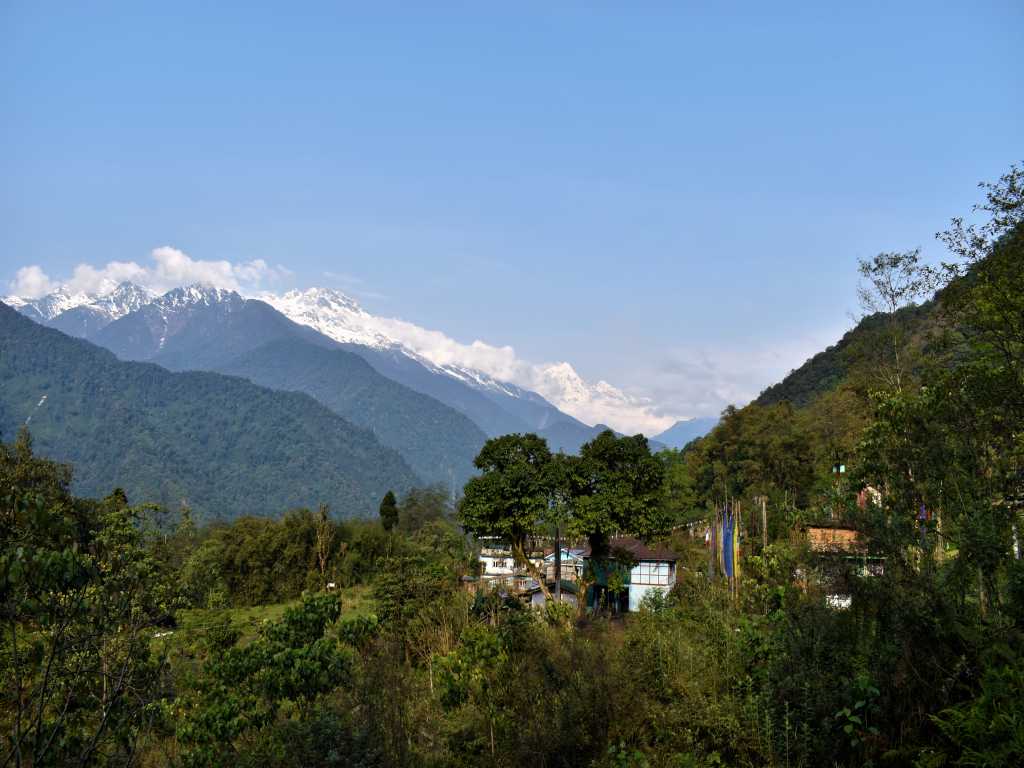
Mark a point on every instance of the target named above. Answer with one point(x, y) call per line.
point(340, 317)
point(479, 365)
point(114, 301)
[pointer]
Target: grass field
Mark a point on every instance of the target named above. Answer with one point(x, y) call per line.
point(355, 601)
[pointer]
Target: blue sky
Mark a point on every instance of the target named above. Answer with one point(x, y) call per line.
point(671, 197)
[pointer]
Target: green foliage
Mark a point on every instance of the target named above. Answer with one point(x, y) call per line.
point(422, 507)
point(293, 663)
point(223, 444)
point(988, 730)
point(388, 511)
point(754, 451)
point(256, 560)
point(80, 596)
point(618, 486)
point(510, 497)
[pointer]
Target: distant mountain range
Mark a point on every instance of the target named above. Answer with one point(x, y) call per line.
point(497, 407)
point(200, 328)
point(221, 444)
point(555, 392)
point(321, 343)
point(680, 434)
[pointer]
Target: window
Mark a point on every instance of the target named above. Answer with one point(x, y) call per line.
point(651, 572)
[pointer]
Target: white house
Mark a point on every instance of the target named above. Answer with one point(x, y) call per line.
point(652, 568)
point(496, 560)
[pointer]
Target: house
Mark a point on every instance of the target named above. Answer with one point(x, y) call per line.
point(496, 560)
point(498, 566)
point(572, 563)
point(841, 544)
point(833, 539)
point(633, 570)
point(535, 595)
point(842, 552)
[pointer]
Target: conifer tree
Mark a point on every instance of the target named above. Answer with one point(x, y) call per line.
point(389, 511)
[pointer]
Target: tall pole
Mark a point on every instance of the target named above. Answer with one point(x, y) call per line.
point(713, 553)
point(764, 522)
point(558, 563)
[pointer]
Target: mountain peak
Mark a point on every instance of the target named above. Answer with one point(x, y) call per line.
point(333, 314)
point(124, 298)
point(52, 304)
point(199, 294)
point(328, 298)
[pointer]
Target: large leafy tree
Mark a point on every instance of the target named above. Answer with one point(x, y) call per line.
point(511, 497)
point(292, 664)
point(617, 488)
point(80, 596)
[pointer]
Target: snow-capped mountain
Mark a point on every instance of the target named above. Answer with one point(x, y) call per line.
point(48, 307)
point(529, 396)
point(557, 386)
point(83, 314)
point(340, 317)
point(141, 334)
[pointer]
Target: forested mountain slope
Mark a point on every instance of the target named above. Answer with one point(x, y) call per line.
point(858, 349)
point(206, 329)
point(437, 441)
point(221, 444)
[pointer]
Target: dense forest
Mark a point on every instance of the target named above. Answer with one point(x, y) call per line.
point(189, 437)
point(131, 634)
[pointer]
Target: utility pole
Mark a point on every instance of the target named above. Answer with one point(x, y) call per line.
point(558, 563)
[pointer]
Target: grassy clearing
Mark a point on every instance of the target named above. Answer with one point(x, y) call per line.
point(355, 601)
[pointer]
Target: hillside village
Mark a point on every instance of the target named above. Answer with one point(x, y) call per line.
point(484, 385)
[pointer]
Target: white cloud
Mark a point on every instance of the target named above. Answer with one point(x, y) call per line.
point(696, 380)
point(31, 283)
point(170, 268)
point(87, 279)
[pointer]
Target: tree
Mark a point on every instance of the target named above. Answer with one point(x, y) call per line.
point(617, 489)
point(325, 532)
point(295, 661)
point(889, 282)
point(389, 511)
point(423, 506)
point(80, 594)
point(511, 497)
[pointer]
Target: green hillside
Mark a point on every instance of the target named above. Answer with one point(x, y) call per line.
point(223, 445)
point(855, 352)
point(437, 441)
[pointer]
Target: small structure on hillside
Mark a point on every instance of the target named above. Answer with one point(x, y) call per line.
point(632, 571)
point(572, 563)
point(496, 559)
point(498, 567)
point(843, 553)
point(842, 544)
point(535, 595)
